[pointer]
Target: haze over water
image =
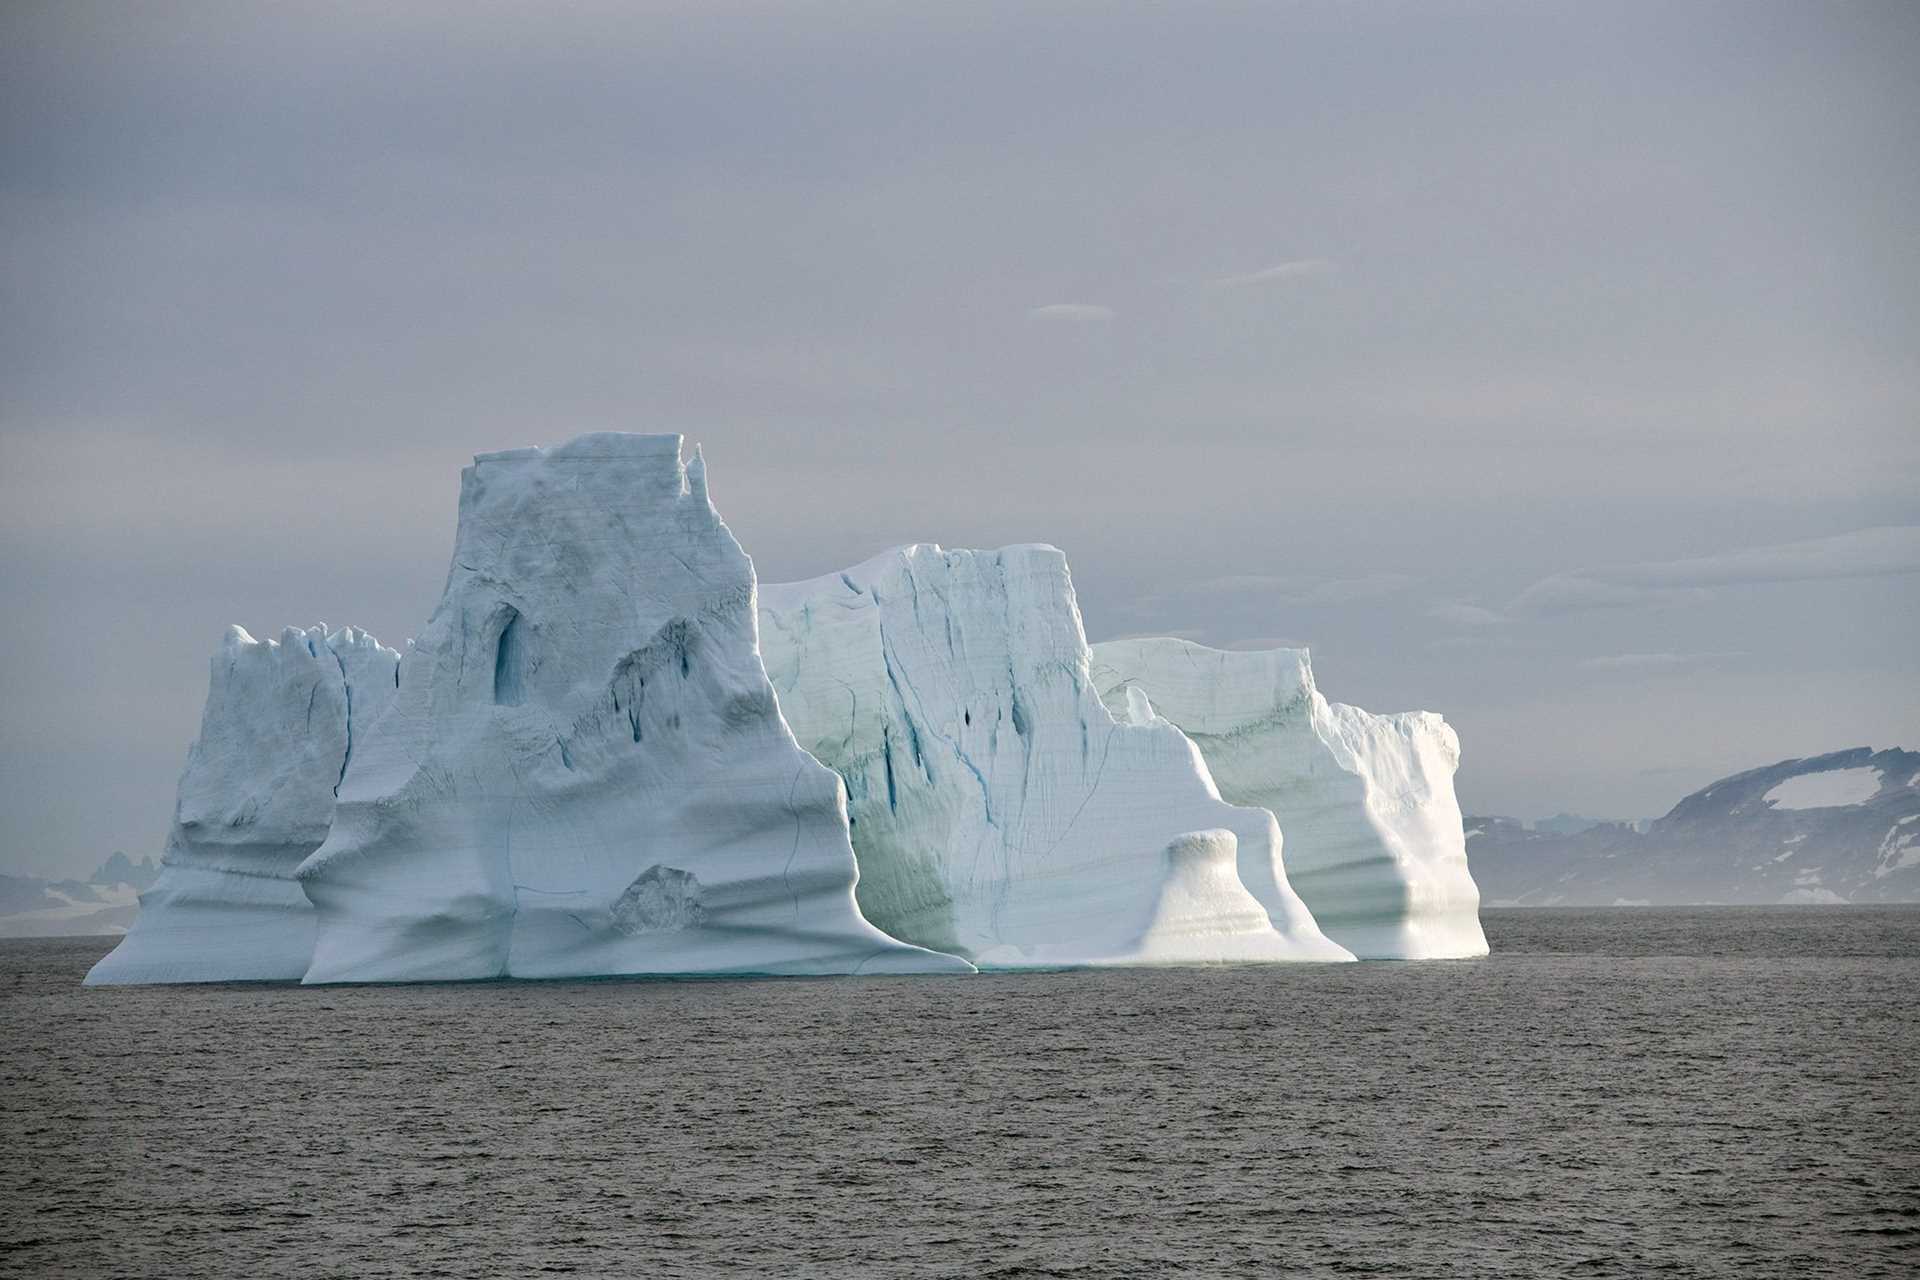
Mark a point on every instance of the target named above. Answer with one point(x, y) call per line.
point(1693, 1092)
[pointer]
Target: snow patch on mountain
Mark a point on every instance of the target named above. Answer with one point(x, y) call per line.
point(1832, 789)
point(1901, 847)
point(1848, 830)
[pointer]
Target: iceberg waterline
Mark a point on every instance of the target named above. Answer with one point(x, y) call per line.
point(257, 796)
point(1375, 841)
point(587, 764)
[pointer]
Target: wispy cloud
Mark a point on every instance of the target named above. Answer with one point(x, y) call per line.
point(1073, 313)
point(1304, 591)
point(1181, 633)
point(1461, 614)
point(1472, 641)
point(1299, 269)
point(1254, 601)
point(1866, 553)
point(1655, 663)
point(1263, 643)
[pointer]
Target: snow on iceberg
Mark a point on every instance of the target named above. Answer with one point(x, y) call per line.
point(1374, 835)
point(999, 810)
point(584, 770)
point(256, 798)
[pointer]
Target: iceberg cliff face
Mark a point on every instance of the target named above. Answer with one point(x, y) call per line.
point(584, 770)
point(1374, 836)
point(256, 798)
point(581, 768)
point(999, 811)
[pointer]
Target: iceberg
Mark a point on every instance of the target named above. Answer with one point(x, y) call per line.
point(610, 751)
point(256, 798)
point(999, 811)
point(1375, 841)
point(584, 770)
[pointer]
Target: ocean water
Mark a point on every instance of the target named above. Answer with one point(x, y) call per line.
point(1613, 1093)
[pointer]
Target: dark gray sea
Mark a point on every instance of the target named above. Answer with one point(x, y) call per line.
point(1664, 1092)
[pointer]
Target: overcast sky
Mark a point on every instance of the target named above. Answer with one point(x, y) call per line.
point(1550, 367)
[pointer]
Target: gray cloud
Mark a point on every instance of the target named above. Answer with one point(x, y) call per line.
point(1177, 633)
point(1866, 553)
point(1301, 590)
point(1081, 312)
point(273, 273)
point(1642, 663)
point(1299, 269)
point(1459, 613)
point(1256, 643)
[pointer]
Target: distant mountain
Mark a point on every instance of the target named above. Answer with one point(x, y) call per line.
point(31, 907)
point(1572, 824)
point(1843, 827)
point(120, 869)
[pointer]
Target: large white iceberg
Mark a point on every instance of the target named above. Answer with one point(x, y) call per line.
point(256, 798)
point(999, 810)
point(584, 770)
point(581, 768)
point(1374, 837)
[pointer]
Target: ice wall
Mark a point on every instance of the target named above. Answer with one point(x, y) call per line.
point(1374, 837)
point(584, 770)
point(999, 811)
point(581, 768)
point(256, 798)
